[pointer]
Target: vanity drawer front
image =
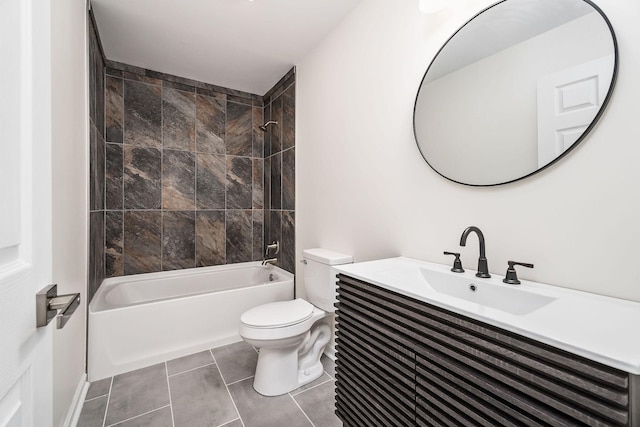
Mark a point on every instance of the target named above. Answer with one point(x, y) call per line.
point(391, 363)
point(375, 370)
point(360, 301)
point(467, 372)
point(493, 376)
point(375, 373)
point(387, 400)
point(471, 373)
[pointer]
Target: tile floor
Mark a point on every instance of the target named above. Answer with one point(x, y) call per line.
point(212, 388)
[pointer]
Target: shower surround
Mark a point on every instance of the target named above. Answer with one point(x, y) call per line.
point(184, 170)
point(279, 166)
point(185, 177)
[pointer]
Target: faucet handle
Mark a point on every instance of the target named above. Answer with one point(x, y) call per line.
point(275, 245)
point(457, 264)
point(511, 277)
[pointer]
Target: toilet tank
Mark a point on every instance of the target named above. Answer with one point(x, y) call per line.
point(320, 276)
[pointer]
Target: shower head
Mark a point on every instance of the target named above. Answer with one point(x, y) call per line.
point(266, 125)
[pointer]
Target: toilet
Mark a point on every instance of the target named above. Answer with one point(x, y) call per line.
point(292, 335)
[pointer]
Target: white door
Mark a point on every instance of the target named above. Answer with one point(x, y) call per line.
point(568, 101)
point(25, 212)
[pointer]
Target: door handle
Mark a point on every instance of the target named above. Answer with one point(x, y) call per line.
point(49, 305)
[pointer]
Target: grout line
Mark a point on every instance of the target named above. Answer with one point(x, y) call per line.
point(229, 422)
point(301, 410)
point(162, 186)
point(166, 371)
point(189, 370)
point(97, 397)
point(196, 127)
point(226, 182)
point(137, 416)
point(329, 375)
point(236, 382)
point(227, 388)
point(311, 388)
point(106, 407)
point(122, 199)
point(324, 368)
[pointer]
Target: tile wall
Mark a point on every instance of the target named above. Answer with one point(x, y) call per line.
point(184, 169)
point(96, 160)
point(279, 167)
point(181, 174)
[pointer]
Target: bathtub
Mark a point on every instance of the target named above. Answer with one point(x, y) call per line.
point(137, 321)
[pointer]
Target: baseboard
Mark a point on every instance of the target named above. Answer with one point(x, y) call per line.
point(76, 405)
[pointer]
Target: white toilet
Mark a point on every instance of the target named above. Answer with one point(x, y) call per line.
point(292, 335)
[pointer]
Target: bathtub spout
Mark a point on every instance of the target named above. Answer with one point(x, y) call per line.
point(269, 261)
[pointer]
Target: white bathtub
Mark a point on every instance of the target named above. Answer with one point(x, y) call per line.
point(137, 321)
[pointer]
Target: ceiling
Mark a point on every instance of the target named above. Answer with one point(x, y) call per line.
point(503, 26)
point(245, 45)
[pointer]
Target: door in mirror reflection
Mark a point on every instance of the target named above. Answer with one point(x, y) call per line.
point(568, 101)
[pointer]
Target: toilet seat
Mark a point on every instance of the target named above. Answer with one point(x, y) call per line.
point(278, 314)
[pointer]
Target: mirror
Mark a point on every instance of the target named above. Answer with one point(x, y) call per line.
point(515, 89)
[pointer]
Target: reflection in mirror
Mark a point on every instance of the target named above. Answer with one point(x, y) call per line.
point(514, 89)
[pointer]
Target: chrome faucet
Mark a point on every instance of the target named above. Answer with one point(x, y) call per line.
point(483, 266)
point(273, 247)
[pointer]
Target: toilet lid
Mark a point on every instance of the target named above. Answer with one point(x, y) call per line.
point(278, 314)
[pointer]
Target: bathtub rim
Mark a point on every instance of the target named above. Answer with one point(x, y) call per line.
point(111, 282)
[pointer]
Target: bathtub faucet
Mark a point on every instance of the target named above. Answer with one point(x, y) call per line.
point(275, 246)
point(271, 251)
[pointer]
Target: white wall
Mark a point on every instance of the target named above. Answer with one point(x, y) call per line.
point(363, 188)
point(70, 135)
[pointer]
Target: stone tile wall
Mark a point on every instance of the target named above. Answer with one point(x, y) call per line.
point(96, 160)
point(181, 175)
point(279, 169)
point(184, 166)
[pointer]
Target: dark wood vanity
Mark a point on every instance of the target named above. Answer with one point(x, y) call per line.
point(404, 362)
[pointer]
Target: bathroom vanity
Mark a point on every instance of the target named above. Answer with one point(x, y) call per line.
point(420, 345)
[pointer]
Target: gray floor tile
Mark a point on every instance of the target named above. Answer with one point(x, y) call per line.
point(322, 379)
point(329, 366)
point(260, 411)
point(137, 392)
point(92, 414)
point(200, 398)
point(192, 361)
point(318, 404)
point(98, 388)
point(158, 418)
point(236, 361)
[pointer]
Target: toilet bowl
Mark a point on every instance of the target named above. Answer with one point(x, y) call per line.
point(292, 335)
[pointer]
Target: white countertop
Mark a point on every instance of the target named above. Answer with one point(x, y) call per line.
point(600, 328)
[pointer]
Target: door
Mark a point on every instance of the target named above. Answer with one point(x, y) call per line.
point(568, 101)
point(25, 212)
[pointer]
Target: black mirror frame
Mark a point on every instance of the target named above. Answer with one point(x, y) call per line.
point(575, 144)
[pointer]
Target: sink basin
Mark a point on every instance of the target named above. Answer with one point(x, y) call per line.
point(498, 296)
point(420, 278)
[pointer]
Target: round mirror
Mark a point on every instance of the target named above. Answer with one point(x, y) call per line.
point(514, 89)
